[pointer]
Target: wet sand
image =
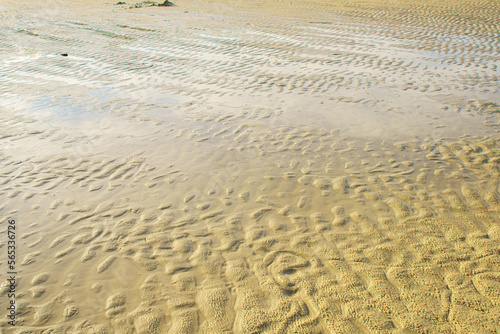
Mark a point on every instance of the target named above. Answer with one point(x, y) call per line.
point(251, 167)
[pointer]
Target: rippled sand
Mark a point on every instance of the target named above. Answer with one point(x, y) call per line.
point(251, 167)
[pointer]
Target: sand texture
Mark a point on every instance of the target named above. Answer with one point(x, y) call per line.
point(251, 167)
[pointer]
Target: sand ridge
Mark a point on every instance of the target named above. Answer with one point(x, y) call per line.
point(234, 176)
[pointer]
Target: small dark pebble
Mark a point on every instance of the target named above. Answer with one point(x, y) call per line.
point(120, 3)
point(64, 54)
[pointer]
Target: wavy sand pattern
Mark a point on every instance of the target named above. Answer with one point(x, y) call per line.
point(252, 167)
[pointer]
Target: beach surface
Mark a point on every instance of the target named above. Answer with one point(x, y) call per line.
point(250, 166)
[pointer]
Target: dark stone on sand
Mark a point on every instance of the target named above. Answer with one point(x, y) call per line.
point(64, 54)
point(151, 4)
point(120, 3)
point(166, 3)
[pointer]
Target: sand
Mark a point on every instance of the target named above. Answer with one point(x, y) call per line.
point(251, 167)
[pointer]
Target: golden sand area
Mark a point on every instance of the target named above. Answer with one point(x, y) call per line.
point(251, 167)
